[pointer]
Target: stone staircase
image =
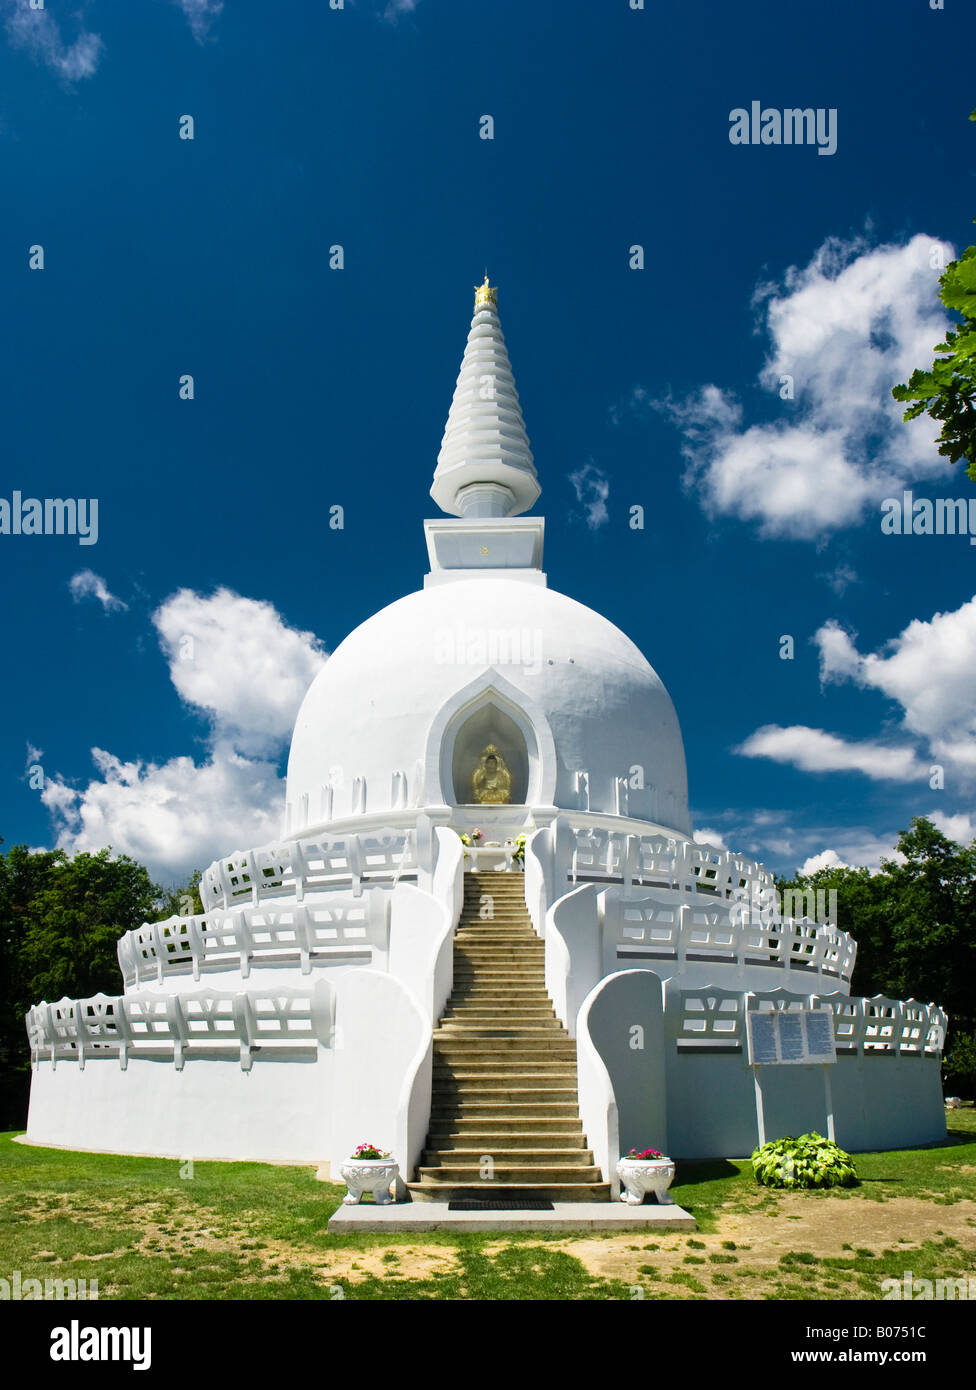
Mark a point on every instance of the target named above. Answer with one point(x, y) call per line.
point(504, 1089)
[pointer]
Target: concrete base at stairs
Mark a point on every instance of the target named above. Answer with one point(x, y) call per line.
point(411, 1217)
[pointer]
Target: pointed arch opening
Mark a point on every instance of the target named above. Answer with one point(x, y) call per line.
point(490, 711)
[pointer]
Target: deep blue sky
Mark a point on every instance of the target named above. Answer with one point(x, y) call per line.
point(315, 387)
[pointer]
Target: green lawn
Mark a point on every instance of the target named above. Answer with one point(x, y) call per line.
point(256, 1231)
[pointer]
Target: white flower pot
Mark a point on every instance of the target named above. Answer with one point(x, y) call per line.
point(638, 1176)
point(369, 1175)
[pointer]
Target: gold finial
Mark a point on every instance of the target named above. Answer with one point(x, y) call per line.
point(486, 294)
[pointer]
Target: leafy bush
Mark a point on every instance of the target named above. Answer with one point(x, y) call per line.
point(809, 1161)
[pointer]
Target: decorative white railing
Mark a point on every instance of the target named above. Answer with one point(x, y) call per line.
point(273, 933)
point(175, 1027)
point(711, 930)
point(659, 861)
point(317, 864)
point(715, 1018)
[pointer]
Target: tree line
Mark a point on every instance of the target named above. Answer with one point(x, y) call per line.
point(60, 920)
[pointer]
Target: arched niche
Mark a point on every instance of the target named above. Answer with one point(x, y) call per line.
point(493, 707)
point(489, 724)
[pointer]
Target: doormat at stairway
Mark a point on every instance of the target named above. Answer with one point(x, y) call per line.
point(477, 1204)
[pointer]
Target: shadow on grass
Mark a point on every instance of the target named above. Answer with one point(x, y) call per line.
point(691, 1174)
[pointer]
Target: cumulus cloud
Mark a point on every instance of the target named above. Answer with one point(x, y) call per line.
point(88, 584)
point(201, 15)
point(709, 837)
point(592, 489)
point(235, 659)
point(928, 669)
point(841, 332)
point(171, 817)
point(38, 32)
point(814, 750)
point(961, 828)
point(828, 859)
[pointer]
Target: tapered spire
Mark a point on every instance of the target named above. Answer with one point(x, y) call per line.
point(485, 466)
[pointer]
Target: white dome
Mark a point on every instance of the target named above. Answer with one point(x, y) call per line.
point(560, 690)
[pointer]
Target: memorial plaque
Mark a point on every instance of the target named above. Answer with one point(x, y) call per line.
point(778, 1038)
point(820, 1035)
point(762, 1039)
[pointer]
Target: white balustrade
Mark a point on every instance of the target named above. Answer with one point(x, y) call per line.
point(664, 862)
point(714, 1017)
point(706, 929)
point(313, 864)
point(266, 934)
point(254, 1025)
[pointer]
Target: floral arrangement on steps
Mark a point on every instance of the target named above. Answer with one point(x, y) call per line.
point(474, 838)
point(519, 854)
point(643, 1171)
point(369, 1168)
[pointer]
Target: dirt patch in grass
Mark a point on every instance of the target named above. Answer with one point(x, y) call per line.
point(751, 1253)
point(180, 1236)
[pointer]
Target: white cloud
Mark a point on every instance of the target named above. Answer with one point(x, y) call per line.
point(771, 837)
point(961, 828)
point(928, 669)
point(592, 489)
point(709, 837)
point(174, 817)
point(201, 14)
point(234, 658)
point(852, 847)
point(88, 584)
point(846, 328)
point(828, 859)
point(39, 33)
point(396, 8)
point(840, 579)
point(814, 750)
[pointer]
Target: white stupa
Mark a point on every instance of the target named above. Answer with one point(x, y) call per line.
point(573, 982)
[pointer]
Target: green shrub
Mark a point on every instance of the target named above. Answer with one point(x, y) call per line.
point(809, 1161)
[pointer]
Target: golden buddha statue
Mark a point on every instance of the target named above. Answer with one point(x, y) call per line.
point(491, 781)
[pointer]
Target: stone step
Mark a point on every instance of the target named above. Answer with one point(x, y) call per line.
point(529, 1096)
point(488, 950)
point(541, 1031)
point(482, 1064)
point(451, 1155)
point(497, 937)
point(523, 988)
point(548, 1044)
point(511, 1173)
point(488, 1028)
point(530, 1016)
point(431, 1191)
point(515, 1137)
point(475, 1110)
point(503, 1012)
point(459, 1069)
point(498, 978)
point(521, 960)
point(452, 1081)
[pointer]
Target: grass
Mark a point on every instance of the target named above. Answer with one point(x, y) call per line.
point(254, 1231)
